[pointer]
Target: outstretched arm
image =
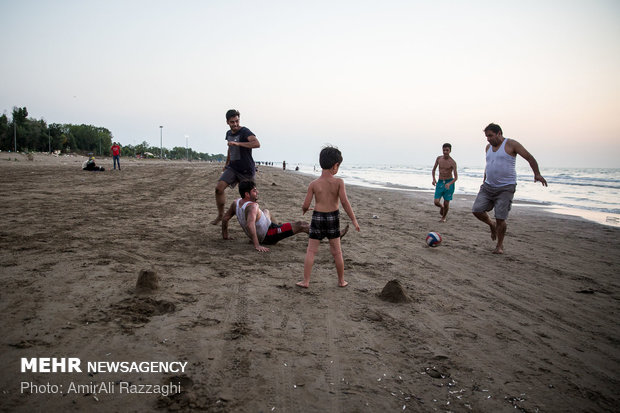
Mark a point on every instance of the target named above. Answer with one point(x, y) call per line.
point(252, 213)
point(227, 216)
point(518, 148)
point(342, 193)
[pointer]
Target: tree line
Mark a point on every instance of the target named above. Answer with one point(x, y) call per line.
point(25, 134)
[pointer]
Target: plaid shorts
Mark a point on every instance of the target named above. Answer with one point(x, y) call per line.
point(325, 224)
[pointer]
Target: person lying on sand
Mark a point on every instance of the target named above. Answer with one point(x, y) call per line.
point(258, 225)
point(89, 165)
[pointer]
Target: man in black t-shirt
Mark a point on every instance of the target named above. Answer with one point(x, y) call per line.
point(239, 162)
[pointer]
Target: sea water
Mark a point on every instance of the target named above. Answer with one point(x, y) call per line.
point(591, 193)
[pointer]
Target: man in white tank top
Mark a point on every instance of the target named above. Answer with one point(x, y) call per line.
point(257, 224)
point(500, 182)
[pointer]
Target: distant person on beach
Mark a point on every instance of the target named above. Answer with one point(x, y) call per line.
point(500, 181)
point(327, 190)
point(284, 165)
point(116, 155)
point(239, 162)
point(258, 224)
point(90, 165)
point(445, 186)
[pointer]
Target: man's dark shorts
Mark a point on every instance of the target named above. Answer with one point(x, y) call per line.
point(491, 197)
point(277, 232)
point(325, 224)
point(232, 177)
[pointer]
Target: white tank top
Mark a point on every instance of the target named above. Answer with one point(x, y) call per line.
point(500, 170)
point(262, 225)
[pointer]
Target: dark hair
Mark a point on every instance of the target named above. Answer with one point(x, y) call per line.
point(231, 114)
point(246, 186)
point(494, 128)
point(329, 157)
point(446, 145)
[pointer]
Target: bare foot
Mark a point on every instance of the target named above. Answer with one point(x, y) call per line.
point(498, 250)
point(302, 284)
point(493, 231)
point(344, 231)
point(216, 220)
point(441, 211)
point(442, 220)
point(343, 284)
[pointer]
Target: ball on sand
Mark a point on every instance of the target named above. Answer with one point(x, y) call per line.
point(433, 239)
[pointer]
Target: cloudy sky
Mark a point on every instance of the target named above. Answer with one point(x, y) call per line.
point(386, 81)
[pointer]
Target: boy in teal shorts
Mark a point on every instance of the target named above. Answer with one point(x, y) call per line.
point(445, 186)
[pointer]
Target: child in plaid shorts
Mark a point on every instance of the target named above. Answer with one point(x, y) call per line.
point(327, 192)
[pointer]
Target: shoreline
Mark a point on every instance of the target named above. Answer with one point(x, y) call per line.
point(589, 215)
point(592, 216)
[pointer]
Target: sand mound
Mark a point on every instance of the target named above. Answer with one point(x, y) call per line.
point(148, 281)
point(394, 293)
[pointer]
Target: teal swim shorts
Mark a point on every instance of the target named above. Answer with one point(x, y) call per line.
point(441, 191)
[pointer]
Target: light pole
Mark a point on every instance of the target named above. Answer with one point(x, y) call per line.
point(161, 141)
point(187, 147)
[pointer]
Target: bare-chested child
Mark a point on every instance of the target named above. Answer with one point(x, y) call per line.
point(327, 190)
point(445, 186)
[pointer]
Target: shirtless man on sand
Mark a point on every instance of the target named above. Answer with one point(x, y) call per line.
point(500, 181)
point(445, 187)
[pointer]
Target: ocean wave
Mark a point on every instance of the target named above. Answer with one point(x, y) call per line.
point(586, 189)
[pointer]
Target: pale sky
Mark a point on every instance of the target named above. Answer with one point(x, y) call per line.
point(388, 82)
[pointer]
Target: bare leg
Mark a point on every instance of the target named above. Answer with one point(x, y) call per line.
point(313, 247)
point(334, 247)
point(446, 207)
point(484, 217)
point(300, 226)
point(501, 231)
point(220, 200)
point(438, 204)
point(344, 231)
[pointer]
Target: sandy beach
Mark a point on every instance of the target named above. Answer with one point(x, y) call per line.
point(535, 329)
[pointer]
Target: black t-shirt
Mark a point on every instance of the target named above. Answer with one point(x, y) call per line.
point(241, 158)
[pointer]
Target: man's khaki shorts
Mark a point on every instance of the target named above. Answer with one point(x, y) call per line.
point(491, 197)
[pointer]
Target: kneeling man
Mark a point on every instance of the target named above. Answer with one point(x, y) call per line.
point(258, 224)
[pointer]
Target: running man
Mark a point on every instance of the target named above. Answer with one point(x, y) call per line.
point(239, 162)
point(445, 186)
point(500, 181)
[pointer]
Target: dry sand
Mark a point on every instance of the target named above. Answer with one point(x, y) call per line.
point(535, 329)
